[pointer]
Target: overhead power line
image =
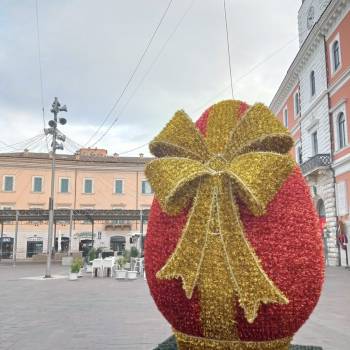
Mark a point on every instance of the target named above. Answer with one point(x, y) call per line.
point(146, 73)
point(132, 74)
point(22, 144)
point(248, 72)
point(40, 68)
point(228, 48)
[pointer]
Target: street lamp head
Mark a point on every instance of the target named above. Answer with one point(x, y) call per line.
point(63, 121)
point(52, 123)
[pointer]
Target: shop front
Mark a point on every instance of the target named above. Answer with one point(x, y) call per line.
point(6, 244)
point(34, 246)
point(117, 244)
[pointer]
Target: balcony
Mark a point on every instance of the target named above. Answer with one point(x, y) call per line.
point(315, 163)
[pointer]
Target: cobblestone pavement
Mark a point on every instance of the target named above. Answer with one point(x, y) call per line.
point(107, 314)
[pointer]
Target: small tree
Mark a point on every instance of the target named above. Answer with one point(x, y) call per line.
point(126, 255)
point(134, 253)
point(121, 262)
point(92, 254)
point(77, 264)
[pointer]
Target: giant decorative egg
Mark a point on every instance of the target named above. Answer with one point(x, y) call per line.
point(233, 251)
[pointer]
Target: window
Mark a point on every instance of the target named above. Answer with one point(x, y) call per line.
point(314, 143)
point(118, 187)
point(341, 198)
point(312, 83)
point(88, 186)
point(146, 187)
point(298, 153)
point(296, 104)
point(8, 183)
point(37, 184)
point(64, 185)
point(341, 131)
point(336, 55)
point(285, 118)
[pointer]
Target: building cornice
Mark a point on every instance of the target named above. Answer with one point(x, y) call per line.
point(315, 36)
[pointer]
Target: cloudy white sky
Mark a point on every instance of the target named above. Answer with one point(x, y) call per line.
point(90, 48)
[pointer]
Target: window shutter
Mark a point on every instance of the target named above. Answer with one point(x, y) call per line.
point(341, 196)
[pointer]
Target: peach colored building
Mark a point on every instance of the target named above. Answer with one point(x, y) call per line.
point(313, 102)
point(89, 179)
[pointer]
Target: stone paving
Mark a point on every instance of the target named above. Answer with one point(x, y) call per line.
point(107, 314)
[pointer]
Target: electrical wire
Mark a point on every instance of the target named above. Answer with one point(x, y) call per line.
point(22, 144)
point(40, 69)
point(228, 48)
point(134, 149)
point(132, 75)
point(147, 72)
point(248, 72)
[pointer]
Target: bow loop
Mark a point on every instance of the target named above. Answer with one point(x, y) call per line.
point(255, 172)
point(258, 130)
point(180, 138)
point(176, 181)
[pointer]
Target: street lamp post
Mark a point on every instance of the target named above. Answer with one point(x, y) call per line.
point(56, 135)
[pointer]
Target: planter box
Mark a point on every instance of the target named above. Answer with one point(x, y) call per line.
point(67, 260)
point(121, 274)
point(73, 276)
point(132, 275)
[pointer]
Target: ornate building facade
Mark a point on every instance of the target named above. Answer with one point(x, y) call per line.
point(90, 179)
point(313, 102)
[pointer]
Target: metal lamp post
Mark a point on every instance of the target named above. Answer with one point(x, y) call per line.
point(56, 135)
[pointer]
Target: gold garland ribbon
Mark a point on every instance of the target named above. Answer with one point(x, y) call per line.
point(239, 158)
point(189, 342)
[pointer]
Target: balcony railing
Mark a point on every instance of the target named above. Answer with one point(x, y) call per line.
point(316, 162)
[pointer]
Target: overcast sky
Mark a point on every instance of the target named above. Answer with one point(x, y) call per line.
point(89, 49)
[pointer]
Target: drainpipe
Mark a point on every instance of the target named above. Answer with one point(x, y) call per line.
point(331, 131)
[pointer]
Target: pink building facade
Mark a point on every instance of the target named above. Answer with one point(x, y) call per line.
point(313, 102)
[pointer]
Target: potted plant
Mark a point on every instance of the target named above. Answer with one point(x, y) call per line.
point(121, 273)
point(134, 253)
point(79, 260)
point(74, 270)
point(90, 257)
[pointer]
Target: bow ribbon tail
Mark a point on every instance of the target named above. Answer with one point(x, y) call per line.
point(252, 284)
point(186, 260)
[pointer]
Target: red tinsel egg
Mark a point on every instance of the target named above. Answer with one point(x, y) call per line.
point(287, 241)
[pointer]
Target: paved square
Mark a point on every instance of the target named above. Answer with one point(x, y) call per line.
point(107, 314)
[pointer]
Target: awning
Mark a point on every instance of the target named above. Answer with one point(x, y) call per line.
point(120, 239)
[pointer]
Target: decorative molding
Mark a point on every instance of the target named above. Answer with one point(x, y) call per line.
point(320, 30)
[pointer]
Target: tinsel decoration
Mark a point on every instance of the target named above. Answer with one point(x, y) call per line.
point(204, 188)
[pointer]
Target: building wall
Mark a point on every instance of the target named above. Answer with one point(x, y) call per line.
point(342, 34)
point(103, 197)
point(329, 185)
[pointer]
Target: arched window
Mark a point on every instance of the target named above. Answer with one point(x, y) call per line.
point(336, 55)
point(312, 83)
point(341, 130)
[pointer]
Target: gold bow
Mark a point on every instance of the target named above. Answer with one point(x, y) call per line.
point(239, 158)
